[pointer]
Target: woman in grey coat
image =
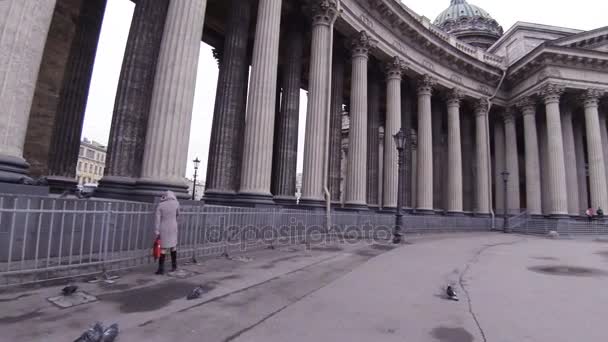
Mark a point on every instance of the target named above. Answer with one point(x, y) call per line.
point(166, 227)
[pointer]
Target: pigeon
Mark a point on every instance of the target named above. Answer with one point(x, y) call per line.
point(451, 293)
point(69, 290)
point(93, 334)
point(109, 335)
point(196, 293)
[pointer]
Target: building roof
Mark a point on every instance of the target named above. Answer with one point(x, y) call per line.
point(460, 9)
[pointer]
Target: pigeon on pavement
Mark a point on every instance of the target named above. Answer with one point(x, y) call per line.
point(196, 293)
point(93, 334)
point(69, 290)
point(451, 293)
point(109, 335)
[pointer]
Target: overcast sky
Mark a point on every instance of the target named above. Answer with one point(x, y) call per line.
point(582, 14)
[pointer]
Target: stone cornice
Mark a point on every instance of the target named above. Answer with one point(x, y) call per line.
point(557, 55)
point(437, 43)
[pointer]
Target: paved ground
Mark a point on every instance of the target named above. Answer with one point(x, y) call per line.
point(512, 288)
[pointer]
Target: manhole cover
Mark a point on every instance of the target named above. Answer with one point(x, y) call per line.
point(242, 259)
point(77, 298)
point(181, 274)
point(564, 270)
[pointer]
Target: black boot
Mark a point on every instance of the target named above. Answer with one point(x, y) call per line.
point(161, 264)
point(173, 261)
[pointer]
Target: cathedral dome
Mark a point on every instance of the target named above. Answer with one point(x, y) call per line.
point(469, 23)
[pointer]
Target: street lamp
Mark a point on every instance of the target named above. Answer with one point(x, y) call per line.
point(400, 139)
point(505, 180)
point(196, 163)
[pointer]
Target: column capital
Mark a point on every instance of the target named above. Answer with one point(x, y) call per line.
point(454, 97)
point(425, 85)
point(481, 107)
point(361, 43)
point(509, 115)
point(395, 68)
point(591, 97)
point(527, 105)
point(551, 92)
point(323, 12)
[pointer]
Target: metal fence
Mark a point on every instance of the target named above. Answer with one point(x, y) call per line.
point(49, 238)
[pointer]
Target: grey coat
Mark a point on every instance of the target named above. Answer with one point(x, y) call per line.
point(166, 220)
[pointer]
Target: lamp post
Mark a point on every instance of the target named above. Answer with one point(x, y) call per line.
point(505, 180)
point(196, 163)
point(400, 145)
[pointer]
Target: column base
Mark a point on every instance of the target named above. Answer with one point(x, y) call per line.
point(116, 187)
point(559, 216)
point(254, 200)
point(22, 189)
point(429, 212)
point(14, 170)
point(60, 184)
point(482, 215)
point(217, 197)
point(455, 213)
point(356, 206)
point(389, 210)
point(290, 202)
point(151, 189)
point(313, 203)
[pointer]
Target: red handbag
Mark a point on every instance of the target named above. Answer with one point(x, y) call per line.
point(156, 248)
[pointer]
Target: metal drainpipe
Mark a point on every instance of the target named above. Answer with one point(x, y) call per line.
point(504, 74)
point(328, 120)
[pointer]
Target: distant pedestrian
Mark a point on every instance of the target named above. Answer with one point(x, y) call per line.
point(166, 228)
point(589, 213)
point(600, 212)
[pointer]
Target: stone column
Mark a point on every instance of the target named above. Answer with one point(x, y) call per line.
point(551, 94)
point(166, 148)
point(533, 188)
point(414, 177)
point(373, 124)
point(323, 14)
point(425, 146)
point(469, 168)
point(482, 150)
point(499, 165)
point(133, 99)
point(361, 44)
point(285, 155)
point(512, 161)
point(335, 134)
point(604, 132)
point(595, 155)
point(394, 72)
point(24, 25)
point(454, 193)
point(581, 170)
point(544, 166)
point(570, 160)
point(65, 142)
point(257, 155)
point(224, 164)
point(381, 138)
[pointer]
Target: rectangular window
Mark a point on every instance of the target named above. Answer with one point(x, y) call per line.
point(81, 152)
point(79, 166)
point(90, 154)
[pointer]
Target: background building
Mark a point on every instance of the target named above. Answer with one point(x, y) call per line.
point(91, 162)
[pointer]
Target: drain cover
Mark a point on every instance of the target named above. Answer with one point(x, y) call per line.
point(77, 298)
